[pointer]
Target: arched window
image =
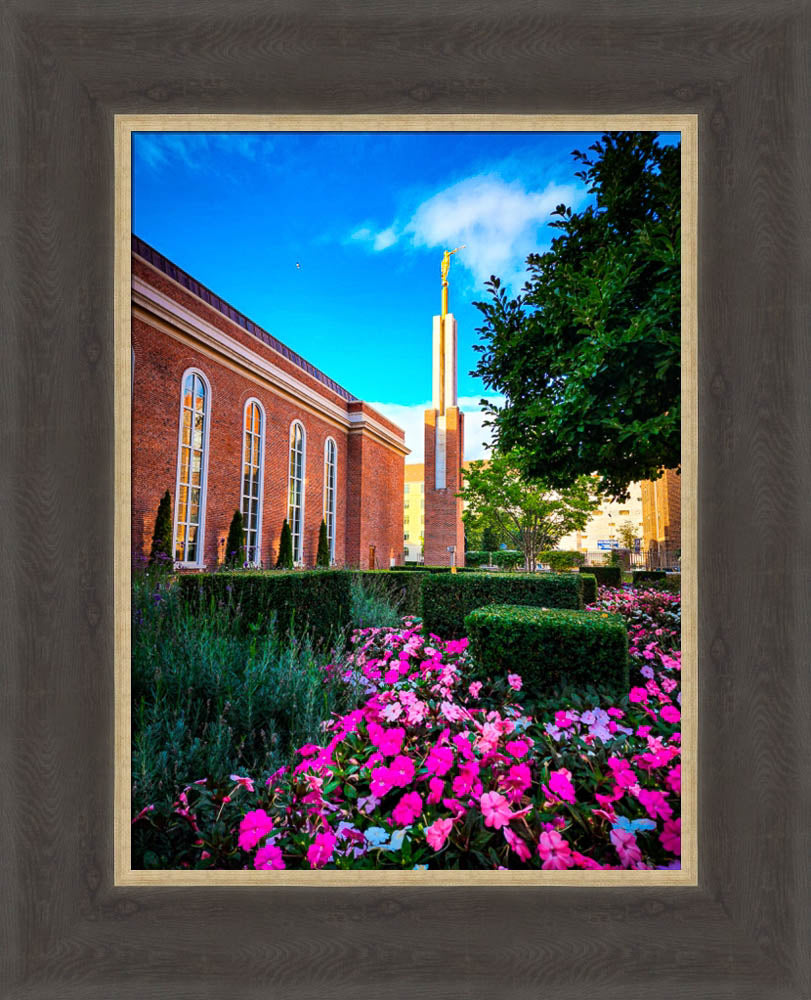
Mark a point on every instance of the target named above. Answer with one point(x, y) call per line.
point(330, 472)
point(253, 445)
point(192, 469)
point(295, 495)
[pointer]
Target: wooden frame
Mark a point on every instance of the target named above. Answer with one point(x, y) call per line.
point(742, 69)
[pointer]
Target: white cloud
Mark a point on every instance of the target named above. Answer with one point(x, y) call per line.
point(498, 221)
point(412, 420)
point(377, 241)
point(385, 239)
point(193, 149)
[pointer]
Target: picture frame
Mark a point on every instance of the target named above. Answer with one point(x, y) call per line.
point(741, 930)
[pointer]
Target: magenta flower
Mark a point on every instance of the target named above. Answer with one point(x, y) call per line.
point(638, 695)
point(670, 714)
point(560, 784)
point(320, 851)
point(495, 809)
point(515, 682)
point(673, 779)
point(516, 781)
point(468, 773)
point(439, 760)
point(554, 851)
point(381, 782)
point(255, 826)
point(407, 809)
point(269, 858)
point(518, 844)
point(391, 741)
point(437, 787)
point(518, 748)
point(671, 836)
point(401, 771)
point(438, 832)
point(655, 803)
point(627, 847)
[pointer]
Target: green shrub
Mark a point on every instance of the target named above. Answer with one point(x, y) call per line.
point(376, 600)
point(316, 601)
point(550, 649)
point(607, 576)
point(644, 575)
point(589, 588)
point(447, 599)
point(161, 551)
point(322, 557)
point(561, 559)
point(475, 558)
point(507, 558)
point(285, 558)
point(235, 546)
point(671, 583)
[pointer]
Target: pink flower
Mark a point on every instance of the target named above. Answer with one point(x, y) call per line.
point(381, 781)
point(268, 858)
point(516, 781)
point(673, 779)
point(560, 784)
point(407, 809)
point(563, 720)
point(440, 760)
point(638, 694)
point(474, 689)
point(670, 714)
point(655, 804)
point(515, 682)
point(495, 809)
point(437, 787)
point(518, 844)
point(465, 780)
point(671, 836)
point(401, 771)
point(392, 711)
point(518, 748)
point(245, 783)
point(320, 851)
point(255, 826)
point(391, 741)
point(438, 832)
point(627, 847)
point(554, 851)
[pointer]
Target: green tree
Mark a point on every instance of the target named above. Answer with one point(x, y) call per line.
point(627, 534)
point(588, 355)
point(531, 515)
point(285, 559)
point(322, 557)
point(161, 551)
point(235, 545)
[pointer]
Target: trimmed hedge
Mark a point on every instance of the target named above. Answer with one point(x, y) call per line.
point(317, 600)
point(507, 558)
point(671, 584)
point(447, 599)
point(641, 575)
point(589, 588)
point(560, 559)
point(549, 648)
point(474, 557)
point(607, 576)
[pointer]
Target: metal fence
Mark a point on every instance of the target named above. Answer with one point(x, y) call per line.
point(654, 557)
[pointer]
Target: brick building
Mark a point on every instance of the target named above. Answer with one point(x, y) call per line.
point(225, 416)
point(661, 510)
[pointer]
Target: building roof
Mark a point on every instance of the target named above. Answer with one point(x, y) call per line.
point(171, 270)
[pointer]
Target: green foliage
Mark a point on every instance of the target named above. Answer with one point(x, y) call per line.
point(285, 558)
point(550, 649)
point(529, 514)
point(645, 575)
point(161, 552)
point(315, 601)
point(446, 599)
point(560, 559)
point(490, 538)
point(474, 558)
point(376, 599)
point(589, 588)
point(508, 559)
point(210, 700)
point(671, 583)
point(627, 534)
point(322, 557)
point(607, 576)
point(588, 355)
point(235, 546)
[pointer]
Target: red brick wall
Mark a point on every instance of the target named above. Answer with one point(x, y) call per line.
point(443, 509)
point(369, 483)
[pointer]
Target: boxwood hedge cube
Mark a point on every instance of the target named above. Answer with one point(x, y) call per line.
point(550, 648)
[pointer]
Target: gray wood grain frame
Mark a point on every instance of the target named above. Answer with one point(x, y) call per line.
point(65, 69)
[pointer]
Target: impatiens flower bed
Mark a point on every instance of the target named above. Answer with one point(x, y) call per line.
point(433, 771)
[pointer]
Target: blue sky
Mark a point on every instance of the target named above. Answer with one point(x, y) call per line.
point(366, 216)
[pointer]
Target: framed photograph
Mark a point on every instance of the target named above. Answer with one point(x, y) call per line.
point(82, 919)
point(468, 764)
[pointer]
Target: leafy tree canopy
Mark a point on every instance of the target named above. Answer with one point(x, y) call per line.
point(531, 515)
point(588, 355)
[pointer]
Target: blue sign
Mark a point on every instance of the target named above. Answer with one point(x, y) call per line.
point(608, 543)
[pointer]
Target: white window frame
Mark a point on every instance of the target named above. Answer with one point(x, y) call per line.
point(256, 561)
point(331, 517)
point(298, 545)
point(199, 563)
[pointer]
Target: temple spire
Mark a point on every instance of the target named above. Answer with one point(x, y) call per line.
point(446, 266)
